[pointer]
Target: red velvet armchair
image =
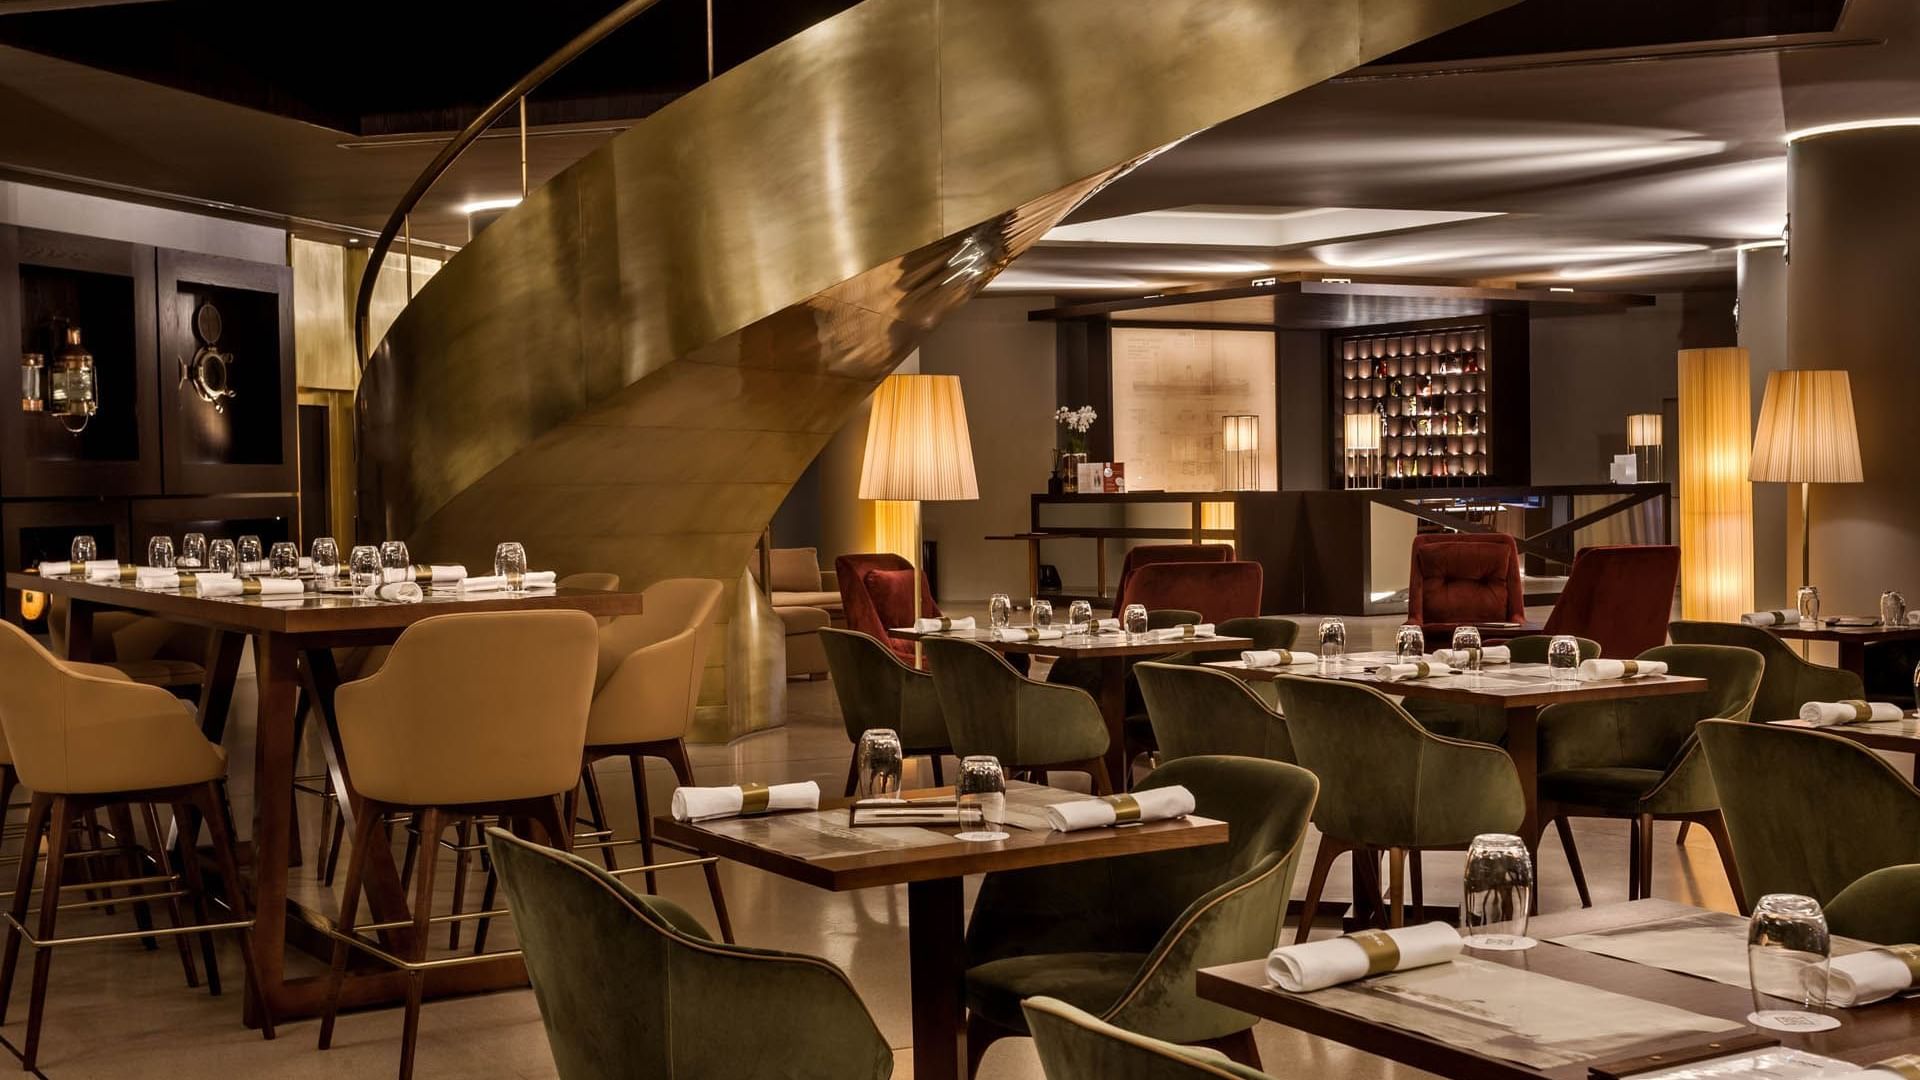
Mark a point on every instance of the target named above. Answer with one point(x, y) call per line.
point(1620, 597)
point(1217, 590)
point(1154, 554)
point(1460, 579)
point(876, 591)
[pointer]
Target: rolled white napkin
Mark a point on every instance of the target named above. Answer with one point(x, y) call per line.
point(1770, 618)
point(1863, 978)
point(540, 579)
point(1106, 626)
point(395, 592)
point(306, 564)
point(1491, 654)
point(256, 566)
point(1029, 633)
point(1899, 1068)
point(532, 579)
point(942, 622)
point(1153, 804)
point(213, 585)
point(107, 571)
point(1913, 618)
point(148, 577)
point(1320, 964)
point(1419, 669)
point(1834, 713)
point(1602, 670)
point(708, 803)
point(1183, 632)
point(63, 569)
point(1263, 658)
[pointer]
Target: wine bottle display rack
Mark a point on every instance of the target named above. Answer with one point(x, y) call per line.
point(1432, 389)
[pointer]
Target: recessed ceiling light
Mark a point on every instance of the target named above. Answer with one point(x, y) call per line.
point(490, 204)
point(353, 239)
point(1853, 125)
point(1558, 288)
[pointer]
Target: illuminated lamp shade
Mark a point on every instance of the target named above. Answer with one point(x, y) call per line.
point(1362, 438)
point(1807, 436)
point(1240, 453)
point(1644, 439)
point(1716, 501)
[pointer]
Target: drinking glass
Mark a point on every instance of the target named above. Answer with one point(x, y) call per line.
point(999, 611)
point(1563, 658)
point(160, 552)
point(1808, 601)
point(1498, 892)
point(1042, 614)
point(1787, 955)
point(394, 556)
point(1410, 643)
point(1893, 608)
point(193, 551)
point(223, 557)
point(1333, 645)
point(1466, 639)
point(510, 562)
point(1080, 617)
point(363, 563)
point(83, 550)
point(326, 559)
point(880, 764)
point(283, 560)
point(249, 549)
point(1134, 617)
point(981, 791)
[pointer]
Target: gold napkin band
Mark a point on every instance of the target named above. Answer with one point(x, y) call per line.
point(422, 575)
point(946, 623)
point(187, 581)
point(1126, 808)
point(1907, 1065)
point(1286, 656)
point(1910, 956)
point(755, 798)
point(1422, 669)
point(1629, 668)
point(1032, 632)
point(250, 587)
point(129, 573)
point(1188, 631)
point(1383, 953)
point(1861, 710)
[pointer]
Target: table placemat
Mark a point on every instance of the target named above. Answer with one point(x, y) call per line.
point(1707, 945)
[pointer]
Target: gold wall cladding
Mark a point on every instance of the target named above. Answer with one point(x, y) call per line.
point(628, 371)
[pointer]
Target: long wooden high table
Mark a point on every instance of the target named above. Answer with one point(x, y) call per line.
point(1852, 640)
point(293, 643)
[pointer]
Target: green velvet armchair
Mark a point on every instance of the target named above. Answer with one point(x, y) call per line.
point(1787, 683)
point(878, 690)
point(631, 985)
point(990, 708)
point(1075, 1045)
point(1637, 759)
point(1201, 710)
point(1388, 784)
point(1122, 937)
point(1821, 816)
point(1480, 723)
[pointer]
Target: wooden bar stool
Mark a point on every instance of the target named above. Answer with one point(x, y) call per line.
point(471, 714)
point(81, 740)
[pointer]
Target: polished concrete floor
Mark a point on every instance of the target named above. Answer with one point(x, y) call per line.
point(119, 1011)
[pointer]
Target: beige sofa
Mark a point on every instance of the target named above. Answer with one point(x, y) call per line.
point(805, 599)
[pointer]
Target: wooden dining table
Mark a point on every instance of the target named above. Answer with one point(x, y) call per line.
point(293, 642)
point(1852, 640)
point(1111, 651)
point(1866, 1035)
point(820, 849)
point(1899, 736)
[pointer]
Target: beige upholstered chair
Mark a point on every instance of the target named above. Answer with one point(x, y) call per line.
point(478, 713)
point(644, 693)
point(148, 650)
point(81, 737)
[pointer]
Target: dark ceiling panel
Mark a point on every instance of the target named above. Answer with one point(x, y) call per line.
point(1557, 26)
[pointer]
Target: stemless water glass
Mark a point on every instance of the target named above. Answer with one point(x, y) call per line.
point(160, 552)
point(83, 550)
point(1563, 658)
point(1893, 608)
point(1134, 618)
point(510, 562)
point(1080, 617)
point(394, 556)
point(999, 611)
point(1042, 614)
point(1466, 640)
point(283, 560)
point(363, 562)
point(981, 792)
point(1807, 600)
point(326, 559)
point(223, 557)
point(1787, 959)
point(249, 549)
point(193, 551)
point(1410, 643)
point(880, 764)
point(1333, 644)
point(1498, 893)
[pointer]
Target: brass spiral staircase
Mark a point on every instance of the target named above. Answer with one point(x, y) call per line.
point(630, 369)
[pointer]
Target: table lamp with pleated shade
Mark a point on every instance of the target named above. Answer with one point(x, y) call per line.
point(1807, 436)
point(918, 450)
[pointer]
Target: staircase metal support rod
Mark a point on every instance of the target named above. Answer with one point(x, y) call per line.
point(523, 147)
point(451, 152)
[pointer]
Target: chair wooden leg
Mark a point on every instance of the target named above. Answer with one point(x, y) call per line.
point(365, 833)
point(49, 913)
point(333, 847)
point(1716, 827)
point(1642, 877)
point(982, 1033)
point(197, 890)
point(853, 773)
point(463, 834)
point(676, 755)
point(1323, 858)
point(1239, 1047)
point(1418, 883)
point(639, 765)
point(487, 896)
point(1564, 828)
point(429, 825)
point(597, 809)
point(413, 849)
point(933, 761)
point(38, 812)
point(1396, 887)
point(213, 808)
point(151, 820)
point(1681, 839)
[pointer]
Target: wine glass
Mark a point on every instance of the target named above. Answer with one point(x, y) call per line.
point(1498, 893)
point(999, 611)
point(1466, 646)
point(250, 551)
point(394, 556)
point(83, 550)
point(283, 560)
point(981, 793)
point(1808, 602)
point(1563, 658)
point(223, 557)
point(363, 563)
point(880, 763)
point(1080, 618)
point(160, 552)
point(1134, 617)
point(193, 551)
point(1333, 645)
point(1788, 949)
point(1410, 643)
point(510, 562)
point(1042, 614)
point(326, 558)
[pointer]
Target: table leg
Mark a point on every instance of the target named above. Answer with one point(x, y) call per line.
point(275, 663)
point(1523, 746)
point(1113, 709)
point(1853, 657)
point(1033, 568)
point(79, 630)
point(216, 685)
point(1100, 567)
point(936, 924)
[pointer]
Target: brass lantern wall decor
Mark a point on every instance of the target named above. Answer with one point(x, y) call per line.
point(209, 370)
point(74, 386)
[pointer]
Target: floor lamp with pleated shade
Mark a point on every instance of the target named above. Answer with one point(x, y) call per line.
point(1807, 436)
point(918, 451)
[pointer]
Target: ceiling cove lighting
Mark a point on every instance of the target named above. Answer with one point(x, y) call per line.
point(1852, 125)
point(484, 205)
